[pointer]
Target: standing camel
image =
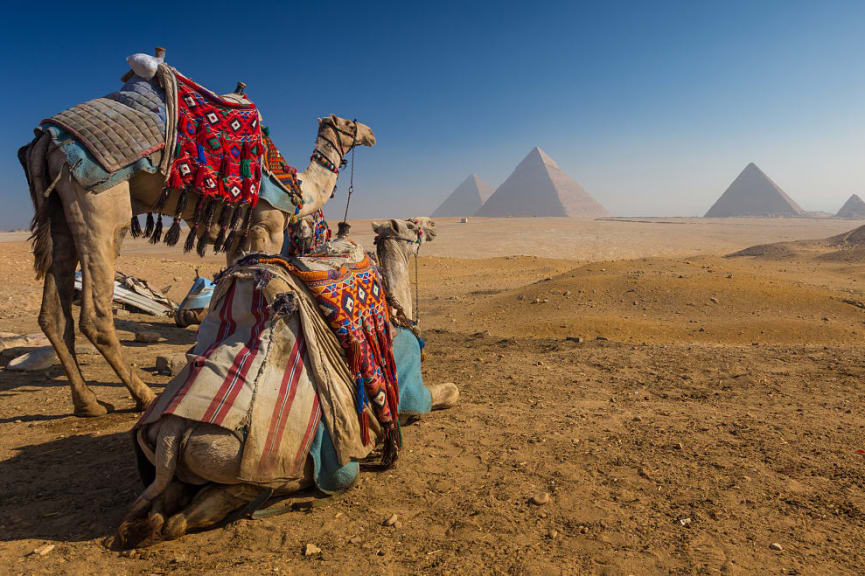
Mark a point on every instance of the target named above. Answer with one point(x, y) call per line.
point(73, 226)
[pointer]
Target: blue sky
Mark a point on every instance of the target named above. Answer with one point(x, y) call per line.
point(653, 106)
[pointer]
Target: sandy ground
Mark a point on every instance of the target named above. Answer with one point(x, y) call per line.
point(683, 410)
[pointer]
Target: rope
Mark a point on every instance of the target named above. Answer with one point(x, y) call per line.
point(416, 287)
point(351, 180)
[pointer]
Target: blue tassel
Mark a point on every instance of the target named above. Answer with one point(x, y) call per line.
point(201, 157)
point(361, 394)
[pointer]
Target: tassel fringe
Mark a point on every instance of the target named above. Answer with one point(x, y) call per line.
point(135, 227)
point(148, 226)
point(157, 231)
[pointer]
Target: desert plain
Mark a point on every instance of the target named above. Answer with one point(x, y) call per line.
point(685, 411)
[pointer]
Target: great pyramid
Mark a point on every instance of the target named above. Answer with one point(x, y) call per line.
point(854, 208)
point(753, 194)
point(465, 200)
point(538, 187)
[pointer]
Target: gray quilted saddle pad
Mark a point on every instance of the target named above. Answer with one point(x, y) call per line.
point(120, 128)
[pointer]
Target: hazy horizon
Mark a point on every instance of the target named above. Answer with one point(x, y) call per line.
point(653, 109)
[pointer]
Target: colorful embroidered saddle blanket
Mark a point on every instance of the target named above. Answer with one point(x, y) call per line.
point(352, 299)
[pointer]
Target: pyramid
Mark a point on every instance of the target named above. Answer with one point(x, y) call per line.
point(852, 208)
point(753, 194)
point(465, 200)
point(538, 187)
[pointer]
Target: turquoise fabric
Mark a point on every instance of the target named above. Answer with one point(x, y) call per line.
point(414, 397)
point(273, 194)
point(84, 167)
point(329, 476)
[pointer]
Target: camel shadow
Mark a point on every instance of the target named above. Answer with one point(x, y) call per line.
point(70, 489)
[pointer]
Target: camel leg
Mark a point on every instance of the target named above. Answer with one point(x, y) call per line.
point(209, 507)
point(55, 316)
point(98, 223)
point(444, 395)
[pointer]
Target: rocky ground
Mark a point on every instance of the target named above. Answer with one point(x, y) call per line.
point(675, 414)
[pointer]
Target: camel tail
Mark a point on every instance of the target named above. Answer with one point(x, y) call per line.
point(34, 160)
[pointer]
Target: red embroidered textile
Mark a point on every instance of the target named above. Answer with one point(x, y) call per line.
point(219, 146)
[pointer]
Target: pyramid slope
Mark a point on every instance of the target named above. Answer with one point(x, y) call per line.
point(465, 199)
point(854, 207)
point(753, 194)
point(538, 187)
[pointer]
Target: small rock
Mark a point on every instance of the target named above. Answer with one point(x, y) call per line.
point(553, 534)
point(577, 339)
point(775, 546)
point(147, 337)
point(311, 550)
point(44, 550)
point(685, 521)
point(602, 339)
point(35, 360)
point(170, 364)
point(540, 498)
point(714, 300)
point(392, 520)
point(583, 530)
point(355, 540)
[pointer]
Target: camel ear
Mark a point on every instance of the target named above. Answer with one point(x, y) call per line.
point(394, 224)
point(319, 121)
point(375, 226)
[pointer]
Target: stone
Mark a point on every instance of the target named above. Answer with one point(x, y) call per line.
point(577, 339)
point(35, 360)
point(355, 540)
point(540, 498)
point(714, 300)
point(170, 364)
point(552, 534)
point(311, 550)
point(685, 522)
point(44, 550)
point(147, 337)
point(392, 520)
point(775, 546)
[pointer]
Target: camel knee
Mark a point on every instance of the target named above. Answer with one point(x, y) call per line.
point(444, 395)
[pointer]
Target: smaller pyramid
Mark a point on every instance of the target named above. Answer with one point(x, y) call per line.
point(853, 208)
point(754, 195)
point(465, 200)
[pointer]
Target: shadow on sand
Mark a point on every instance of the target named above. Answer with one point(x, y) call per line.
point(69, 489)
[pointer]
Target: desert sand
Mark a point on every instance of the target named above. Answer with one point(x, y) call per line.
point(684, 410)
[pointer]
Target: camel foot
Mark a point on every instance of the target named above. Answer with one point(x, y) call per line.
point(175, 527)
point(93, 410)
point(145, 400)
point(139, 533)
point(444, 396)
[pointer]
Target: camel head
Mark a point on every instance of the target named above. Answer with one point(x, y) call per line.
point(409, 233)
point(344, 134)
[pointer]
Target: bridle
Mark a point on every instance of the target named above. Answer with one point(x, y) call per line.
point(336, 144)
point(401, 315)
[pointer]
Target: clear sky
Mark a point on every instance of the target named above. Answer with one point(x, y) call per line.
point(654, 107)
